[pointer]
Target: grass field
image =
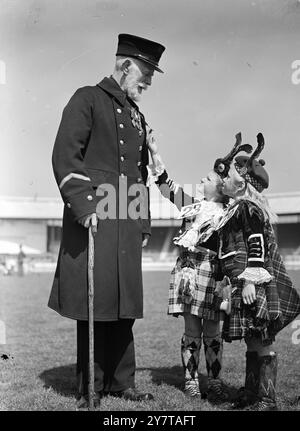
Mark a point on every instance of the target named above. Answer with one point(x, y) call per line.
point(41, 375)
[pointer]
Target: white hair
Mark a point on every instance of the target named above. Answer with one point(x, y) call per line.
point(261, 201)
point(119, 62)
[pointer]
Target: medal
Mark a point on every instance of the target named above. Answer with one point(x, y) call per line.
point(136, 120)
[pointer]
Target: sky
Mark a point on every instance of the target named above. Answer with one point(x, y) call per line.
point(227, 64)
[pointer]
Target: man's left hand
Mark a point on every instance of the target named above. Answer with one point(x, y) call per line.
point(146, 237)
point(150, 140)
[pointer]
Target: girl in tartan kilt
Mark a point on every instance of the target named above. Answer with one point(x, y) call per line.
point(263, 299)
point(192, 291)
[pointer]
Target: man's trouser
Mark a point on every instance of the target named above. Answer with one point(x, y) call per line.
point(114, 356)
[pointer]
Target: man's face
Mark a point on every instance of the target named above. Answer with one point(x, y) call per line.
point(233, 183)
point(138, 78)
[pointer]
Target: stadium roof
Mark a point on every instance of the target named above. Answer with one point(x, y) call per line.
point(14, 207)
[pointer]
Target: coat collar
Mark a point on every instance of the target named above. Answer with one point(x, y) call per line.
point(112, 87)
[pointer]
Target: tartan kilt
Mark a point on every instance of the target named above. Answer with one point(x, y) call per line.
point(249, 320)
point(277, 302)
point(202, 301)
point(288, 296)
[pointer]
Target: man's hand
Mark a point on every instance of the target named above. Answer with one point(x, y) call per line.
point(153, 148)
point(248, 293)
point(146, 237)
point(90, 220)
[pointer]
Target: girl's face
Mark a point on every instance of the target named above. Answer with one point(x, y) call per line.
point(211, 186)
point(233, 184)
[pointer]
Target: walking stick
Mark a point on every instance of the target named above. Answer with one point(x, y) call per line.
point(91, 255)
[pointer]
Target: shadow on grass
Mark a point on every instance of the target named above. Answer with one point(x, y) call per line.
point(174, 376)
point(61, 379)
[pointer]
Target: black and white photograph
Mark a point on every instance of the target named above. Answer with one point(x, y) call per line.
point(150, 209)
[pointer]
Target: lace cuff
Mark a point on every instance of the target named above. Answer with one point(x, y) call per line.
point(188, 239)
point(256, 275)
point(155, 169)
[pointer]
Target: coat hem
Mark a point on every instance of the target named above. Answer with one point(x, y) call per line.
point(102, 319)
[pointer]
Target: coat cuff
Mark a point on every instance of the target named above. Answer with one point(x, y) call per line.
point(154, 173)
point(256, 275)
point(81, 204)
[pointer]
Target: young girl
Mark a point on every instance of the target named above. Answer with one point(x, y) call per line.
point(263, 298)
point(192, 291)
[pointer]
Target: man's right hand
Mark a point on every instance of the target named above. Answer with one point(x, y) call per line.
point(90, 220)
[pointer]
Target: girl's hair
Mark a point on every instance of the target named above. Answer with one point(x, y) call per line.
point(261, 201)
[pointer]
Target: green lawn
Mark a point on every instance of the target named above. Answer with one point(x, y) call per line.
point(41, 375)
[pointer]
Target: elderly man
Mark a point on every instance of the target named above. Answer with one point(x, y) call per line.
point(100, 157)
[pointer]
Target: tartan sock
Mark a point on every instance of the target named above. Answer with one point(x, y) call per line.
point(267, 378)
point(213, 348)
point(190, 350)
point(252, 372)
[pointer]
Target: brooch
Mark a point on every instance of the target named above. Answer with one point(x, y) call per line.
point(136, 120)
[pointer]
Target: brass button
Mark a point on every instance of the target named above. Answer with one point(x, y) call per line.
point(121, 142)
point(89, 197)
point(121, 126)
point(122, 159)
point(68, 205)
point(119, 111)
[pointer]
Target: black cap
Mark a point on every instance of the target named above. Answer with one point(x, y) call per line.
point(222, 164)
point(143, 49)
point(255, 174)
point(252, 169)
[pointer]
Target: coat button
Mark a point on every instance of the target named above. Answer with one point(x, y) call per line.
point(122, 159)
point(68, 205)
point(140, 148)
point(121, 126)
point(119, 111)
point(89, 197)
point(121, 142)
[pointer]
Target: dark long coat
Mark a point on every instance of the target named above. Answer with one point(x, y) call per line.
point(99, 152)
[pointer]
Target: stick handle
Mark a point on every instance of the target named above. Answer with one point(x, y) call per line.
point(91, 255)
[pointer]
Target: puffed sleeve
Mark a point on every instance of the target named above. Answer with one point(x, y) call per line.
point(68, 155)
point(252, 222)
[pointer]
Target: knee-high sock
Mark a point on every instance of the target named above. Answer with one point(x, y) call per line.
point(213, 348)
point(190, 350)
point(252, 372)
point(267, 378)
